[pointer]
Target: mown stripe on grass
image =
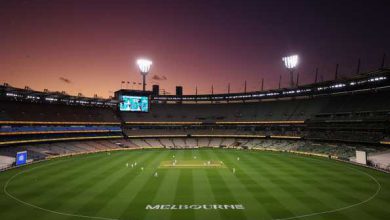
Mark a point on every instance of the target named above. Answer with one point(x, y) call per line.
point(349, 191)
point(184, 192)
point(68, 199)
point(270, 206)
point(48, 165)
point(110, 185)
point(292, 196)
point(298, 192)
point(117, 204)
point(47, 184)
point(184, 195)
point(203, 193)
point(224, 192)
point(286, 166)
point(345, 191)
point(165, 194)
point(47, 173)
point(145, 191)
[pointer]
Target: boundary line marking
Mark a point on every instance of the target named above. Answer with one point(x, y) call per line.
point(41, 208)
point(379, 187)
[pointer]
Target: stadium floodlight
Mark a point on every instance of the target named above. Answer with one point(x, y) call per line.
point(144, 67)
point(291, 63)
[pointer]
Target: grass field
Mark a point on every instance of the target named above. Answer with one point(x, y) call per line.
point(265, 185)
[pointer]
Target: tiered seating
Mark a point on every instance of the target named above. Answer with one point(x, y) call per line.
point(8, 130)
point(6, 161)
point(36, 112)
point(179, 142)
point(25, 122)
point(41, 151)
point(140, 143)
point(166, 142)
point(191, 142)
point(280, 110)
point(11, 152)
point(153, 142)
point(380, 159)
point(355, 136)
point(203, 142)
point(215, 142)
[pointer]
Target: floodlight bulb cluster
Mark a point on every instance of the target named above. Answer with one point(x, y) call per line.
point(144, 65)
point(291, 61)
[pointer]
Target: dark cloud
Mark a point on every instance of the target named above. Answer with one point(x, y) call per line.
point(65, 80)
point(159, 78)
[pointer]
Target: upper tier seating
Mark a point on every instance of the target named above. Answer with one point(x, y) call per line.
point(279, 110)
point(22, 111)
point(276, 110)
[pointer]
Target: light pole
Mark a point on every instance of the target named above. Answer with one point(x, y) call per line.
point(144, 68)
point(291, 62)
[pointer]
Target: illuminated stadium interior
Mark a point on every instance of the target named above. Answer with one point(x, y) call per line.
point(217, 134)
point(194, 110)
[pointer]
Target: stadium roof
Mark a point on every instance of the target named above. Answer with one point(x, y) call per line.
point(377, 79)
point(8, 92)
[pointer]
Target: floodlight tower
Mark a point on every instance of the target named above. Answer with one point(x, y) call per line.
point(291, 63)
point(144, 68)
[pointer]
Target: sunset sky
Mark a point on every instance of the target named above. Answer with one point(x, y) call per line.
point(90, 46)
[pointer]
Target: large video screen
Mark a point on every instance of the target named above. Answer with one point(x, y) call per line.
point(134, 104)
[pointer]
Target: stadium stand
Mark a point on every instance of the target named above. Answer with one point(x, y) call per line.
point(25, 122)
point(38, 152)
point(15, 112)
point(336, 119)
point(350, 105)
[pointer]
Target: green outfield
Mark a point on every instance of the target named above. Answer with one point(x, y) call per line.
point(215, 184)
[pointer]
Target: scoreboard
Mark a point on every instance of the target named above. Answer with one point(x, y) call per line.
point(133, 100)
point(134, 103)
point(21, 158)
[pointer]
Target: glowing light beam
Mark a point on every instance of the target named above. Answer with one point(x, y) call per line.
point(144, 65)
point(290, 61)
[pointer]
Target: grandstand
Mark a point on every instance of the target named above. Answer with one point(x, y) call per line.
point(286, 141)
point(349, 112)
